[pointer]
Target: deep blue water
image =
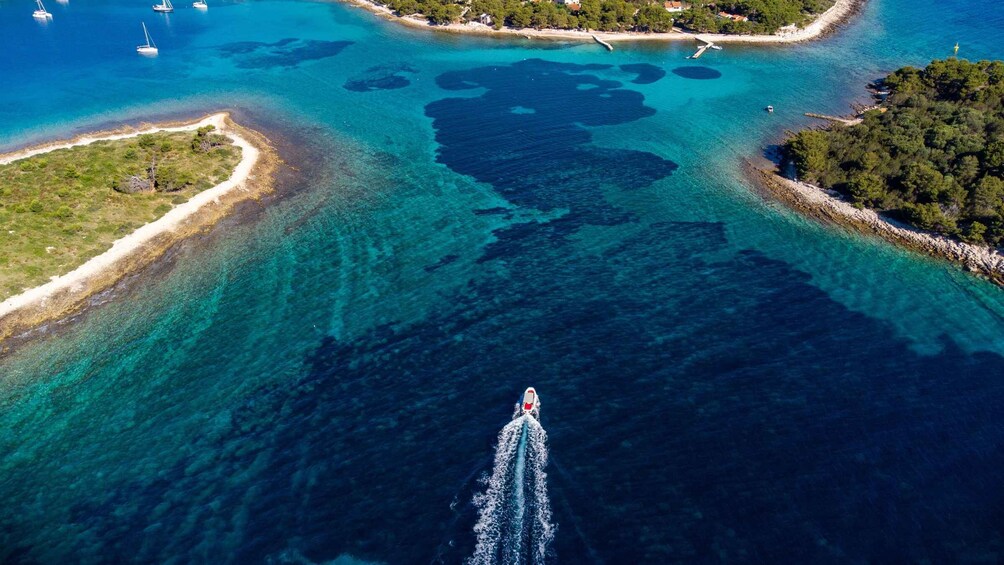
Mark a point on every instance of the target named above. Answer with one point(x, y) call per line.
point(323, 378)
point(697, 72)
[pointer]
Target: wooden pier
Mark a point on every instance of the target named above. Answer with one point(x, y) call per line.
point(702, 49)
point(835, 119)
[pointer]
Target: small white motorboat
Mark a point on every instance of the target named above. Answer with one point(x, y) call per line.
point(200, 5)
point(150, 48)
point(164, 7)
point(40, 13)
point(531, 403)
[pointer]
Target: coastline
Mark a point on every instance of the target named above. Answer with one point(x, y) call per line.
point(829, 207)
point(837, 14)
point(65, 295)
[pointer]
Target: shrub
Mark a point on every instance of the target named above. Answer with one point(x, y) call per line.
point(975, 232)
point(929, 216)
point(867, 188)
point(204, 140)
point(171, 179)
point(808, 149)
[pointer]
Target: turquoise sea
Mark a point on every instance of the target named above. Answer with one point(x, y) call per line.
point(325, 376)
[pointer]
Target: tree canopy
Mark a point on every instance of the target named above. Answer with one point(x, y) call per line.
point(765, 16)
point(932, 155)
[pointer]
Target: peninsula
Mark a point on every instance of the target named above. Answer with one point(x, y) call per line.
point(739, 21)
point(77, 216)
point(925, 168)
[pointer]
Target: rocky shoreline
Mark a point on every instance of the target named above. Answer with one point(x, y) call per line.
point(830, 207)
point(67, 295)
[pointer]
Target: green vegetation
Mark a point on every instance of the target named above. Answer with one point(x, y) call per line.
point(765, 16)
point(933, 155)
point(60, 208)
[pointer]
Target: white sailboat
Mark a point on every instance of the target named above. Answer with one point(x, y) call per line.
point(200, 5)
point(165, 6)
point(40, 13)
point(150, 48)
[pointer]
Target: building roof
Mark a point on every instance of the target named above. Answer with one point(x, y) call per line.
point(733, 17)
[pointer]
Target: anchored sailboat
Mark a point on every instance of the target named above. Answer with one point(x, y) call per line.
point(150, 48)
point(40, 13)
point(165, 6)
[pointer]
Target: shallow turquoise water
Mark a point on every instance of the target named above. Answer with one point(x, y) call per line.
point(722, 380)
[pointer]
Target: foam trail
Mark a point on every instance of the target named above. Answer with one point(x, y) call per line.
point(514, 524)
point(519, 499)
point(543, 528)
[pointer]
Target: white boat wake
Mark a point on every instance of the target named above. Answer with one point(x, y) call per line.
point(514, 524)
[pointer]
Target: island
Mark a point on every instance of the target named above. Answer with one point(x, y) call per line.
point(736, 21)
point(77, 216)
point(925, 167)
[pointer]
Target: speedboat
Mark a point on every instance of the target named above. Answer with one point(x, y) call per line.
point(200, 5)
point(531, 402)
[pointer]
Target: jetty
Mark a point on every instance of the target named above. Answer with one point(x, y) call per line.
point(603, 43)
point(701, 50)
point(835, 119)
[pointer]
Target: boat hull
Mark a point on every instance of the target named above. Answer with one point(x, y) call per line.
point(530, 404)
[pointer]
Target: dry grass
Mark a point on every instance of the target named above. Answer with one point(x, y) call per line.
point(59, 209)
